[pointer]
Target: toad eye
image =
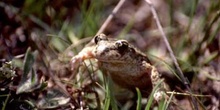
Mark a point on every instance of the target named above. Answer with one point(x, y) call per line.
point(122, 45)
point(100, 37)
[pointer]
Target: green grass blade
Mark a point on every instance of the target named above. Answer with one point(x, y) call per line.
point(139, 99)
point(150, 100)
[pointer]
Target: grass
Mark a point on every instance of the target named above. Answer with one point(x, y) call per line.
point(54, 32)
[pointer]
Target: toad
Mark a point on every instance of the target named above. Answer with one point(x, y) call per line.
point(127, 66)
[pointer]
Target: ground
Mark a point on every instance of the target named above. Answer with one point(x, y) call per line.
point(39, 38)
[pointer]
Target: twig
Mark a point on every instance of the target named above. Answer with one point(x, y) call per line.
point(186, 94)
point(179, 71)
point(107, 21)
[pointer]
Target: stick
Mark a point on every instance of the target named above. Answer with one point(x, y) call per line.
point(107, 21)
point(180, 73)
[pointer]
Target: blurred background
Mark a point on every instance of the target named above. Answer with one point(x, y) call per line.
point(38, 39)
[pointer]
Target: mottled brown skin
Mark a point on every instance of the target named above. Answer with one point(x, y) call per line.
point(127, 66)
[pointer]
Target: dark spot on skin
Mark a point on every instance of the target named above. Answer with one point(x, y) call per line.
point(132, 50)
point(117, 55)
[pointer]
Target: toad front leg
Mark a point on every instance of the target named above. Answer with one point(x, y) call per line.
point(77, 60)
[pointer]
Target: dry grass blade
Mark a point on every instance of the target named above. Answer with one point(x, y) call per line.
point(180, 73)
point(107, 21)
point(196, 95)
